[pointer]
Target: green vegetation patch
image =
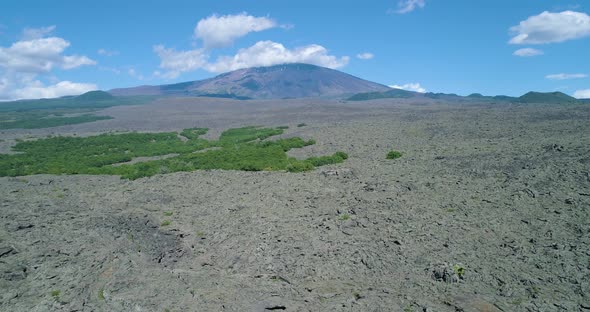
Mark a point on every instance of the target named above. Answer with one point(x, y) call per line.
point(237, 149)
point(70, 110)
point(35, 122)
point(89, 100)
point(394, 155)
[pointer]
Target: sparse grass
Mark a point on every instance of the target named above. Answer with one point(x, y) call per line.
point(48, 121)
point(344, 217)
point(394, 155)
point(166, 223)
point(101, 294)
point(408, 308)
point(283, 127)
point(200, 234)
point(459, 270)
point(168, 213)
point(55, 294)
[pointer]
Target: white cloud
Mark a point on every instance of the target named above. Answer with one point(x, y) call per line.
point(582, 94)
point(74, 61)
point(110, 69)
point(40, 55)
point(416, 87)
point(177, 62)
point(407, 6)
point(565, 76)
point(106, 52)
point(133, 73)
point(221, 31)
point(267, 53)
point(63, 88)
point(263, 53)
point(551, 27)
point(36, 33)
point(527, 52)
point(365, 56)
point(25, 64)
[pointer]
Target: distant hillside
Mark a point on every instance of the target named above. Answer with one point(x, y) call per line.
point(273, 82)
point(549, 97)
point(88, 100)
point(530, 97)
point(391, 94)
point(402, 94)
point(95, 96)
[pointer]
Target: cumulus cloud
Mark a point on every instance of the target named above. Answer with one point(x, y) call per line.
point(407, 6)
point(40, 55)
point(133, 73)
point(416, 87)
point(263, 53)
point(107, 52)
point(527, 52)
point(365, 56)
point(177, 62)
point(24, 63)
point(37, 90)
point(221, 31)
point(565, 76)
point(267, 53)
point(551, 27)
point(74, 61)
point(582, 94)
point(36, 33)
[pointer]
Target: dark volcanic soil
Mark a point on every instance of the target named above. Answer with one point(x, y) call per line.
point(487, 210)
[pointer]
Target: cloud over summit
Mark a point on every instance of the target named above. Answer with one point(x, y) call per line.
point(221, 31)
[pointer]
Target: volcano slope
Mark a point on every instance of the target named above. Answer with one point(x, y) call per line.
point(486, 210)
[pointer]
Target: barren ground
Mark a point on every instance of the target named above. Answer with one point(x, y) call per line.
point(501, 191)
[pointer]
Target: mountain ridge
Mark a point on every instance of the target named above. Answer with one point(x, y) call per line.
point(282, 81)
point(527, 98)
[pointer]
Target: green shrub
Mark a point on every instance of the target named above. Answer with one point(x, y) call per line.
point(336, 158)
point(342, 155)
point(459, 270)
point(101, 294)
point(301, 125)
point(299, 166)
point(237, 149)
point(55, 294)
point(394, 155)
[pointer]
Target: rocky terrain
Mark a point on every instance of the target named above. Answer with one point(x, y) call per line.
point(487, 210)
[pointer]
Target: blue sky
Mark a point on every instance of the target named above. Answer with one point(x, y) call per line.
point(54, 48)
